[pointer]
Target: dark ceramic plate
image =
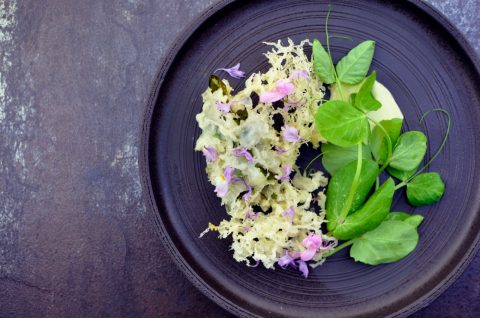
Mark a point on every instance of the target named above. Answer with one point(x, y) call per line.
point(420, 57)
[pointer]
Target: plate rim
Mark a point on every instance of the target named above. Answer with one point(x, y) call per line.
point(153, 206)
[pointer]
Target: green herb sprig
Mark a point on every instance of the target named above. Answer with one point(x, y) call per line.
point(355, 156)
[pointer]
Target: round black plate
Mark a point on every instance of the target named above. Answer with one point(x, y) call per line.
point(426, 64)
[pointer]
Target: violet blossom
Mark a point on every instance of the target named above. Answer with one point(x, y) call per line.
point(224, 108)
point(233, 71)
point(287, 260)
point(289, 212)
point(247, 195)
point(296, 74)
point(283, 88)
point(302, 266)
point(243, 152)
point(287, 169)
point(280, 150)
point(210, 153)
point(290, 134)
point(222, 183)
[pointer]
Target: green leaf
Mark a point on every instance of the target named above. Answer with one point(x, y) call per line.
point(389, 242)
point(409, 151)
point(353, 67)
point(412, 219)
point(424, 189)
point(339, 187)
point(379, 141)
point(216, 83)
point(335, 157)
point(401, 175)
point(364, 99)
point(322, 63)
point(341, 124)
point(369, 216)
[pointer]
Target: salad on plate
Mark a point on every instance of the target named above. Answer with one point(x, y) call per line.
point(280, 214)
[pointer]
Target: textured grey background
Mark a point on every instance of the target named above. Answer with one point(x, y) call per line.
point(75, 239)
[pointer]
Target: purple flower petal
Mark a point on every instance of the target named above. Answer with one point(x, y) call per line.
point(210, 153)
point(246, 229)
point(221, 190)
point(290, 134)
point(255, 265)
point(228, 173)
point(222, 184)
point(286, 173)
point(296, 74)
point(307, 255)
point(243, 152)
point(284, 86)
point(251, 215)
point(289, 212)
point(224, 108)
point(286, 260)
point(247, 195)
point(327, 245)
point(271, 96)
point(280, 150)
point(302, 266)
point(233, 71)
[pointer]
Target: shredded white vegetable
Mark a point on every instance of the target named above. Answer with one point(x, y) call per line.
point(259, 223)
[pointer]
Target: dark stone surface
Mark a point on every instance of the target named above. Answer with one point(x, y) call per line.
point(75, 239)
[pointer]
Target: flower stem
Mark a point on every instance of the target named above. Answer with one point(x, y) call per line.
point(339, 248)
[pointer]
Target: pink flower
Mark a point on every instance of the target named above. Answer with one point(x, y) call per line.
point(290, 134)
point(233, 71)
point(286, 173)
point(283, 88)
point(289, 212)
point(224, 108)
point(296, 74)
point(311, 243)
point(210, 153)
point(239, 152)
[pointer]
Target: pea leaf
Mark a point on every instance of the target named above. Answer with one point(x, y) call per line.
point(401, 175)
point(379, 141)
point(412, 219)
point(322, 63)
point(389, 242)
point(341, 124)
point(339, 187)
point(216, 83)
point(369, 216)
point(335, 157)
point(409, 151)
point(353, 67)
point(424, 189)
point(364, 99)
